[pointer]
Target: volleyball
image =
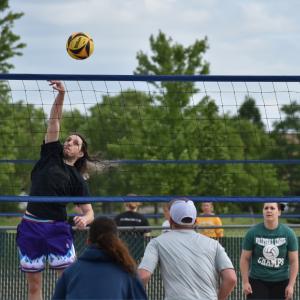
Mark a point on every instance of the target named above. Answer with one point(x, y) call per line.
point(270, 252)
point(80, 45)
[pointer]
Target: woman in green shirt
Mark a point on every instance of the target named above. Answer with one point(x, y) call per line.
point(269, 259)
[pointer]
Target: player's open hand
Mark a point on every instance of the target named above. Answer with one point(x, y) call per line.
point(57, 85)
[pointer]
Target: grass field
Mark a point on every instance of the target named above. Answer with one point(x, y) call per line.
point(9, 221)
point(238, 232)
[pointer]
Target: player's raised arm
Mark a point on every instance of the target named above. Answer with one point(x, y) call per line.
point(52, 134)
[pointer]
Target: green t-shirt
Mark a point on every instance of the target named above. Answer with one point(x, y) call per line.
point(270, 249)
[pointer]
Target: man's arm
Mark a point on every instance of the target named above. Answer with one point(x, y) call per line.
point(87, 216)
point(244, 267)
point(228, 282)
point(149, 262)
point(294, 266)
point(52, 134)
point(144, 276)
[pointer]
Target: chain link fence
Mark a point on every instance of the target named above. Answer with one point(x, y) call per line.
point(13, 283)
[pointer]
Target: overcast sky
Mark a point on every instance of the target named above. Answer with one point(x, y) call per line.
point(246, 37)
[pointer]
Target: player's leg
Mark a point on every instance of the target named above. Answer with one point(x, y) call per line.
point(32, 251)
point(34, 281)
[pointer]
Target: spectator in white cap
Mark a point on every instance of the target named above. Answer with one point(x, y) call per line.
point(192, 265)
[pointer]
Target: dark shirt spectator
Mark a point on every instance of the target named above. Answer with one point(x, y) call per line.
point(132, 218)
point(133, 238)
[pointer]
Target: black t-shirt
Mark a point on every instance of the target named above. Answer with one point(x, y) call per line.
point(131, 218)
point(133, 238)
point(52, 177)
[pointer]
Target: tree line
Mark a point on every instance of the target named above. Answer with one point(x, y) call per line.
point(166, 125)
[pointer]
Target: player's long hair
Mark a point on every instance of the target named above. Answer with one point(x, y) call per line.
point(103, 234)
point(81, 163)
point(87, 164)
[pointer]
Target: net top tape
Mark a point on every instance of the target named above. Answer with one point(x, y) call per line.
point(153, 78)
point(124, 199)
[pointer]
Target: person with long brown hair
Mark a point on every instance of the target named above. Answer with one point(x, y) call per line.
point(43, 234)
point(105, 270)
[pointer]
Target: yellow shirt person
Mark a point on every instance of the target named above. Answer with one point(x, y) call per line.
point(207, 218)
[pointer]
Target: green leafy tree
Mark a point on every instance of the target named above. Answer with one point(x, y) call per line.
point(257, 179)
point(249, 111)
point(199, 132)
point(287, 136)
point(286, 133)
point(10, 46)
point(121, 122)
point(169, 58)
point(172, 123)
point(72, 122)
point(22, 130)
point(172, 112)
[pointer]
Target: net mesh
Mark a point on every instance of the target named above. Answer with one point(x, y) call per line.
point(195, 137)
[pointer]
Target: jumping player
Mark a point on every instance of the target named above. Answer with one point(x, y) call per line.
point(43, 234)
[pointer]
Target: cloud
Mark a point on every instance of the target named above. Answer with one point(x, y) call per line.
point(261, 17)
point(244, 35)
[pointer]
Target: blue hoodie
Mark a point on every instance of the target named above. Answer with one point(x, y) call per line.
point(95, 276)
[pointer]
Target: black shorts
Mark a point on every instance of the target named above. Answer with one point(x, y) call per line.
point(267, 289)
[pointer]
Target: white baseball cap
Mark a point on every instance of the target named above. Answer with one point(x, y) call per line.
point(181, 209)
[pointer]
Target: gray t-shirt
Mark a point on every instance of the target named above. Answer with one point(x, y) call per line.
point(190, 264)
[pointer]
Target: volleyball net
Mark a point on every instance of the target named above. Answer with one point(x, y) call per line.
point(228, 139)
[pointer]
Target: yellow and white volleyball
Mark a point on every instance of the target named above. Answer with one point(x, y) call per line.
point(80, 45)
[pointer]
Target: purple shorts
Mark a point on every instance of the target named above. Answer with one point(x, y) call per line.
point(40, 241)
